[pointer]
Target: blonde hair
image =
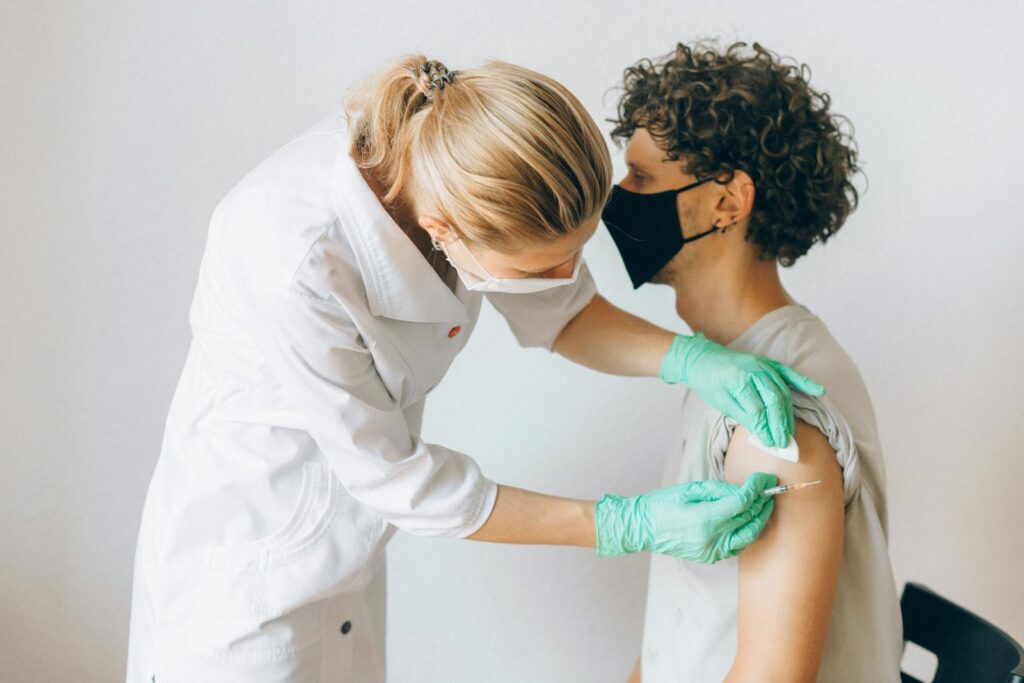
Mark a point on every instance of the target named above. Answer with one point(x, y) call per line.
point(502, 154)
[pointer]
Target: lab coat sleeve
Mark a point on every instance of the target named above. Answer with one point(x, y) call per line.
point(424, 489)
point(537, 319)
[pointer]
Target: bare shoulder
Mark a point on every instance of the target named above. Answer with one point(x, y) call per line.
point(817, 457)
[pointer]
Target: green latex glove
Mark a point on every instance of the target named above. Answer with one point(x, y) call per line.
point(702, 521)
point(752, 390)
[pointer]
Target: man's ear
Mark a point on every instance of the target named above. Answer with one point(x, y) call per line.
point(436, 227)
point(737, 199)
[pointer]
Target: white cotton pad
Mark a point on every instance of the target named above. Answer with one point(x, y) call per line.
point(790, 452)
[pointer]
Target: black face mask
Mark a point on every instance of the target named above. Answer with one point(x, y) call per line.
point(646, 229)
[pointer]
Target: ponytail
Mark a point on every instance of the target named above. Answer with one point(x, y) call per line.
point(386, 105)
point(502, 154)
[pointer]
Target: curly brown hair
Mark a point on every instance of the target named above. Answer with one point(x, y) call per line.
point(721, 112)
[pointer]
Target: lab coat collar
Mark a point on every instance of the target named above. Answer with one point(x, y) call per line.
point(399, 282)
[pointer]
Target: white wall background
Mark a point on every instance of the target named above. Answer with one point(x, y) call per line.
point(123, 123)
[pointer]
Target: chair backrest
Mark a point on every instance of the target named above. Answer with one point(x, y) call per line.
point(969, 648)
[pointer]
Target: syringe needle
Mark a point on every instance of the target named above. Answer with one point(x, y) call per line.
point(775, 490)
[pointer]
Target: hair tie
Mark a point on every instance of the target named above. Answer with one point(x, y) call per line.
point(438, 76)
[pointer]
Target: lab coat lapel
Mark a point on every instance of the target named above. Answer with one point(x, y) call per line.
point(399, 282)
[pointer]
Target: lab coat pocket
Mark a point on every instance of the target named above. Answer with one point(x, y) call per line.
point(261, 601)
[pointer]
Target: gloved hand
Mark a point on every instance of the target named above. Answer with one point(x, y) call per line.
point(702, 521)
point(752, 390)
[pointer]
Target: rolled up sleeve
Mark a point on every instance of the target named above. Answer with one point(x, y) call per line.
point(537, 319)
point(329, 373)
point(817, 411)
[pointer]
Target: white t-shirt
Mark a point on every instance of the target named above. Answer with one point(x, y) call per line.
point(690, 623)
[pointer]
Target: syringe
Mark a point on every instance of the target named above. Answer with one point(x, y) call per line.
point(775, 490)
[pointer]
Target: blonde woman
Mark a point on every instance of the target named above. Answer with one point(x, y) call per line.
point(341, 277)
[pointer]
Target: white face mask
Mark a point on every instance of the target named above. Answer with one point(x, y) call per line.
point(477, 279)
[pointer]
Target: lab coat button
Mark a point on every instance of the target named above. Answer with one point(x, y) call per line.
point(454, 331)
point(346, 627)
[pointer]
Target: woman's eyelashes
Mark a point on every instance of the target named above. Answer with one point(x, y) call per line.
point(542, 273)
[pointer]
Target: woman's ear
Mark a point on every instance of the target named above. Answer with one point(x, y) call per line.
point(737, 199)
point(435, 227)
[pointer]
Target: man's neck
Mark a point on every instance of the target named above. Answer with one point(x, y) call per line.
point(725, 301)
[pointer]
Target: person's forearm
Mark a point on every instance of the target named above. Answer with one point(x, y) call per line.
point(521, 516)
point(605, 338)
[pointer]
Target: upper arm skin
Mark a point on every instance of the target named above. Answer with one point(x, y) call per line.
point(788, 576)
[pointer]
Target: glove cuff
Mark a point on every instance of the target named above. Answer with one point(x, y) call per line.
point(621, 525)
point(675, 361)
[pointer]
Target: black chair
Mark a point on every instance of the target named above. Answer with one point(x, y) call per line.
point(969, 648)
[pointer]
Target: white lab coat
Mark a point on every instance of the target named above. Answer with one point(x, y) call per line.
point(292, 450)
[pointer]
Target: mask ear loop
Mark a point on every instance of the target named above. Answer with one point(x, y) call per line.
point(438, 246)
point(693, 238)
point(715, 227)
point(693, 185)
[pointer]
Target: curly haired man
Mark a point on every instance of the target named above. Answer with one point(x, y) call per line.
point(736, 165)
